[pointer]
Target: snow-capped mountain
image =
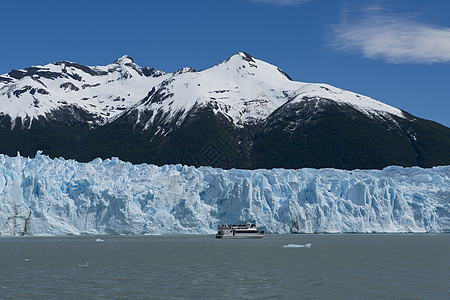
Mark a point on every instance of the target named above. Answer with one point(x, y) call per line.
point(243, 113)
point(101, 92)
point(245, 90)
point(242, 88)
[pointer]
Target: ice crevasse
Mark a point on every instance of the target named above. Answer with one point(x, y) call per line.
point(43, 196)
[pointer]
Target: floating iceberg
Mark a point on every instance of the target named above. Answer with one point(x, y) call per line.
point(297, 246)
point(43, 196)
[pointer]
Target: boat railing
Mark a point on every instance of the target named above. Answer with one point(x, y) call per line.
point(239, 226)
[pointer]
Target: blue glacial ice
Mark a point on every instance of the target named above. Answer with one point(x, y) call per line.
point(110, 196)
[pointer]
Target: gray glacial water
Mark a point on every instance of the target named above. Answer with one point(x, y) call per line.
point(377, 266)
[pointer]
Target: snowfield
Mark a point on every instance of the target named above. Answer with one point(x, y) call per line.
point(114, 197)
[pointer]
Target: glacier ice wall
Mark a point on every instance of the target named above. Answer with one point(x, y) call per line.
point(57, 197)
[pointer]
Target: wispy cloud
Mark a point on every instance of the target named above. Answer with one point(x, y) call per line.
point(393, 38)
point(283, 2)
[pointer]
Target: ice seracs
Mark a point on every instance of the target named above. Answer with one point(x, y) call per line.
point(115, 197)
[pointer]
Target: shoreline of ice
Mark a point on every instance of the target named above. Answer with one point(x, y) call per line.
point(114, 197)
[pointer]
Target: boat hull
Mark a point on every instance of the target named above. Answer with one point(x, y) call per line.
point(244, 236)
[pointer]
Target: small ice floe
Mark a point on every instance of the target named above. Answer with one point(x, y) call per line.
point(297, 246)
point(317, 282)
point(99, 240)
point(85, 265)
point(27, 259)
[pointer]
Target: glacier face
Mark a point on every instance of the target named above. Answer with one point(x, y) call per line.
point(115, 197)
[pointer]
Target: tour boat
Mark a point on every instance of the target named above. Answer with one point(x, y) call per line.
point(238, 232)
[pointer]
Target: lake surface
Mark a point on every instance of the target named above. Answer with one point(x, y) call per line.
point(376, 266)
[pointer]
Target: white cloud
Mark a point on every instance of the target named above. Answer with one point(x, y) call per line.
point(394, 39)
point(283, 2)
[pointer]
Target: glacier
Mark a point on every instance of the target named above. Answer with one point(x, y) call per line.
point(42, 196)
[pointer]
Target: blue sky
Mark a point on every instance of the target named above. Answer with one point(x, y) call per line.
point(395, 51)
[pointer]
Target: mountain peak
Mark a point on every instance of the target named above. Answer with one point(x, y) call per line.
point(245, 56)
point(241, 56)
point(125, 59)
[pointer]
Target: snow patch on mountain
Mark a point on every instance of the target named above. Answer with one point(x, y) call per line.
point(57, 197)
point(362, 103)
